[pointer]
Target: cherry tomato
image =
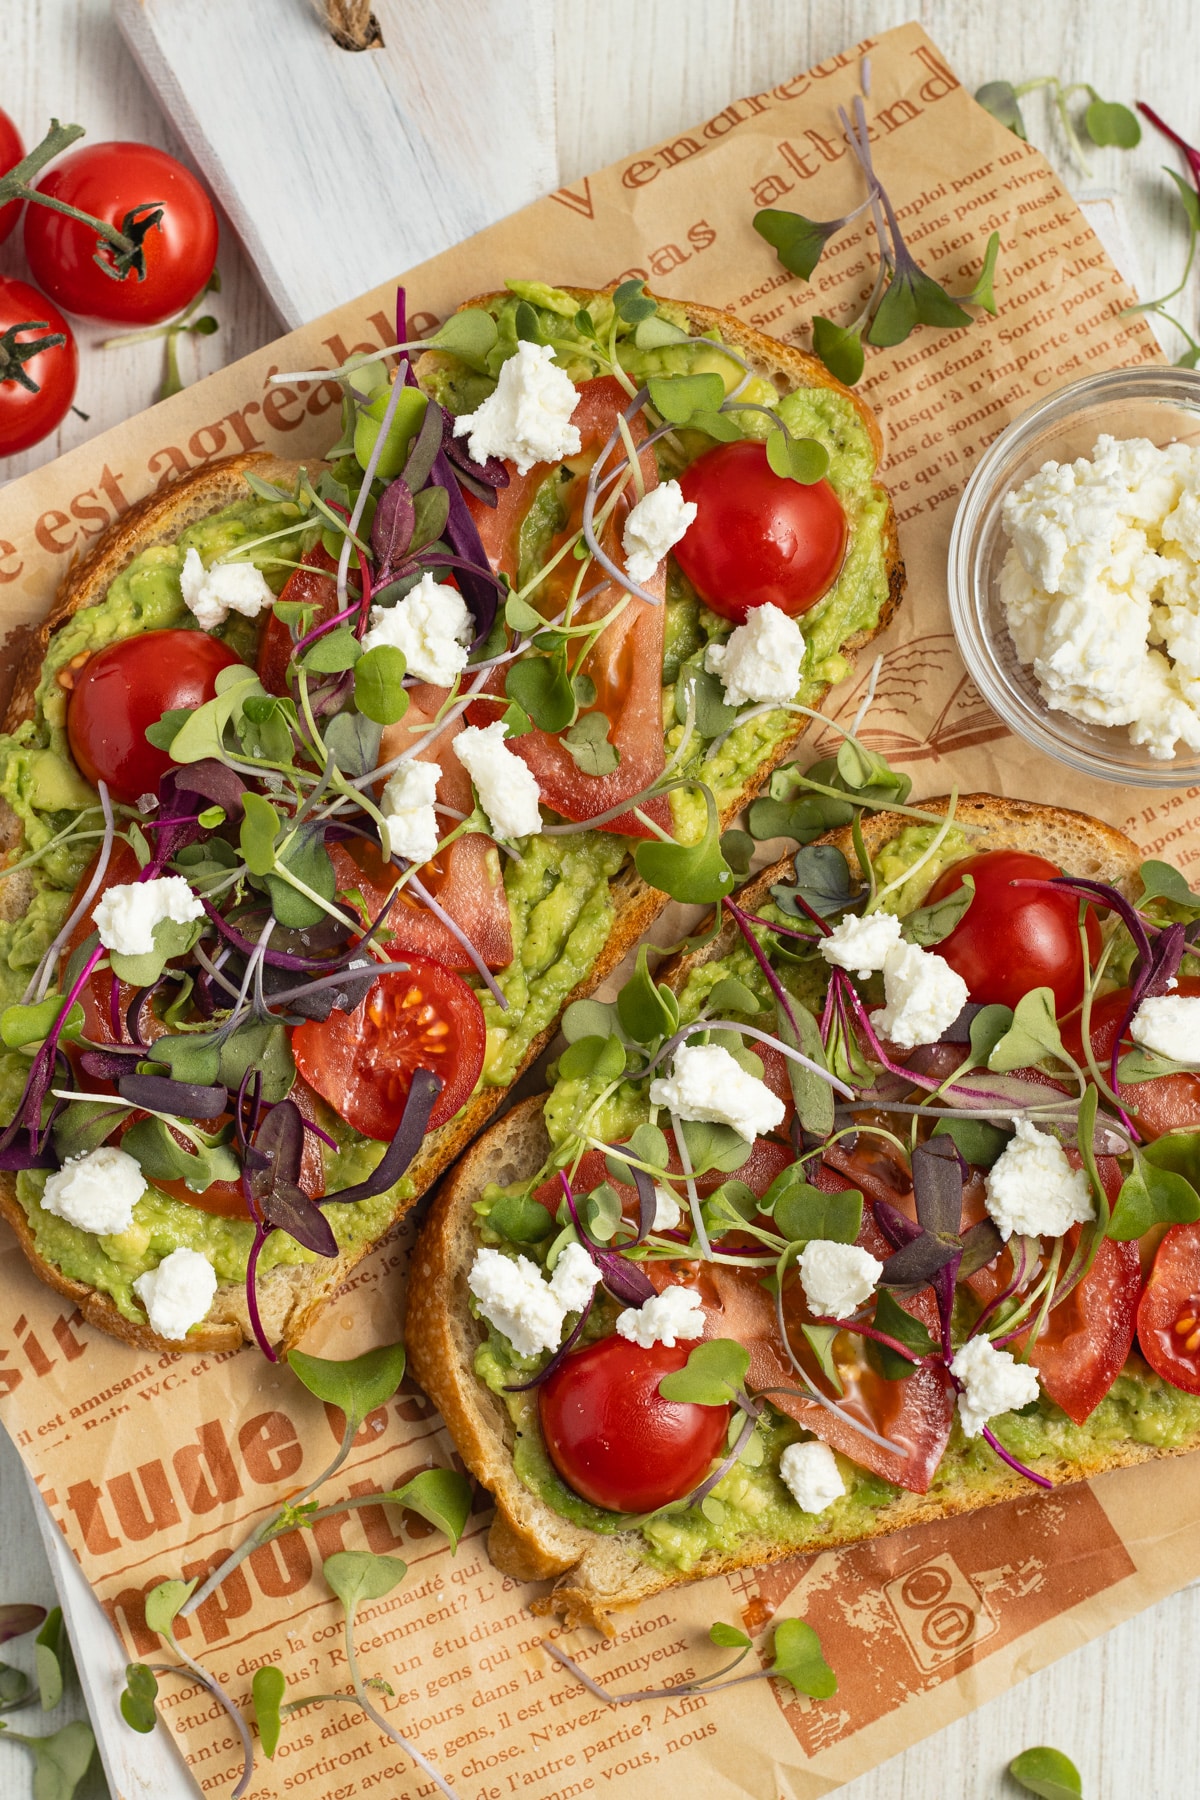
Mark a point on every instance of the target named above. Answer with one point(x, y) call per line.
point(1012, 939)
point(362, 1062)
point(1169, 1102)
point(11, 152)
point(614, 1439)
point(626, 662)
point(28, 414)
point(1168, 1320)
point(108, 181)
point(758, 537)
point(121, 690)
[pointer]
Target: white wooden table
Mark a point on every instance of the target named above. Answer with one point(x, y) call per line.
point(629, 72)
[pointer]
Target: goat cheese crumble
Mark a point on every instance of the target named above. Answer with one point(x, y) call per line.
point(513, 1296)
point(675, 1314)
point(1101, 588)
point(707, 1083)
point(125, 915)
point(811, 1475)
point(1033, 1190)
point(178, 1293)
point(922, 995)
point(527, 418)
point(508, 792)
point(861, 944)
point(433, 628)
point(212, 594)
point(1169, 1025)
point(96, 1192)
point(993, 1382)
point(760, 660)
point(407, 805)
point(575, 1276)
point(654, 526)
point(837, 1278)
point(667, 1210)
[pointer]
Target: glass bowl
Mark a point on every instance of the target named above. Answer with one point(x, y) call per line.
point(1162, 404)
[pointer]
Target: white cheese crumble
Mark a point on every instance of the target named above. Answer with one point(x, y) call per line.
point(654, 526)
point(861, 944)
point(508, 792)
point(667, 1210)
point(668, 1318)
point(1033, 1190)
point(811, 1475)
point(527, 419)
point(922, 995)
point(760, 660)
point(707, 1083)
point(212, 594)
point(837, 1278)
point(1169, 1025)
point(125, 915)
point(178, 1293)
point(407, 805)
point(96, 1192)
point(1101, 588)
point(514, 1298)
point(575, 1276)
point(993, 1382)
point(433, 627)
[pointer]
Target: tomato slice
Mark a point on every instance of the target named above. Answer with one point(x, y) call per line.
point(1168, 1319)
point(413, 928)
point(1012, 939)
point(1169, 1102)
point(626, 662)
point(312, 584)
point(611, 1435)
point(362, 1062)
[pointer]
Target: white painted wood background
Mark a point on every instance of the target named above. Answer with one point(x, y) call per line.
point(629, 72)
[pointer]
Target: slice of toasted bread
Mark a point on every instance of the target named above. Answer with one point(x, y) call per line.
point(290, 1297)
point(594, 1575)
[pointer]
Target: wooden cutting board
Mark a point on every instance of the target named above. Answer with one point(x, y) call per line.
point(339, 169)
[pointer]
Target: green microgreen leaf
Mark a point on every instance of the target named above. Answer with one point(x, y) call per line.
point(648, 1145)
point(913, 298)
point(648, 1012)
point(1108, 122)
point(720, 425)
point(201, 733)
point(14, 1688)
point(979, 1143)
point(677, 397)
point(1032, 1037)
point(1190, 201)
point(60, 1761)
point(22, 1025)
point(50, 1650)
point(305, 857)
point(1000, 99)
point(603, 1058)
point(737, 847)
point(164, 731)
point(431, 509)
point(1047, 1773)
point(1151, 1196)
point(696, 874)
point(356, 1575)
point(261, 1044)
point(930, 924)
point(695, 687)
point(797, 242)
point(840, 348)
point(799, 1661)
point(803, 819)
point(601, 1213)
point(796, 459)
point(163, 1603)
point(541, 687)
point(656, 333)
point(712, 1376)
point(440, 1496)
point(891, 1318)
point(588, 744)
point(730, 1205)
point(525, 324)
point(813, 1097)
point(821, 877)
point(1159, 880)
point(803, 1212)
point(987, 1029)
point(379, 692)
point(170, 939)
point(521, 616)
point(732, 996)
point(333, 653)
point(470, 335)
point(728, 1637)
point(266, 1693)
point(821, 1340)
point(1146, 1065)
point(712, 1146)
point(520, 1219)
point(161, 1157)
point(138, 1696)
point(588, 1018)
point(407, 415)
point(984, 292)
point(84, 1125)
point(356, 1385)
point(633, 303)
point(354, 742)
point(267, 727)
point(257, 834)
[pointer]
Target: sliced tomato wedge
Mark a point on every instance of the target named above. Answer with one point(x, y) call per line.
point(1168, 1319)
point(1169, 1102)
point(314, 583)
point(626, 662)
point(362, 1062)
point(412, 927)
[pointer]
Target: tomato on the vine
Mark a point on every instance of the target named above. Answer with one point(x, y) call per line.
point(37, 373)
point(11, 152)
point(1011, 938)
point(611, 1435)
point(109, 181)
point(758, 537)
point(126, 687)
point(1168, 1102)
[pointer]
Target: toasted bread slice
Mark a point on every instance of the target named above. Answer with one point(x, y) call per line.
point(596, 1576)
point(289, 1298)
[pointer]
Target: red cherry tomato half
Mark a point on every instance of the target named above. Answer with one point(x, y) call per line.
point(614, 1439)
point(28, 414)
point(1169, 1102)
point(1168, 1321)
point(108, 181)
point(758, 537)
point(362, 1062)
point(1012, 939)
point(11, 152)
point(128, 686)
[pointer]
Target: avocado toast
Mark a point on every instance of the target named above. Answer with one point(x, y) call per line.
point(363, 577)
point(856, 1405)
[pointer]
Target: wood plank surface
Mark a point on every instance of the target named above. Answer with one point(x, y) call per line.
point(629, 72)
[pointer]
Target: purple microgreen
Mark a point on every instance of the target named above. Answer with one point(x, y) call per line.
point(959, 1029)
point(392, 530)
point(944, 1282)
point(414, 1122)
point(564, 1349)
point(981, 1244)
point(1105, 895)
point(111, 1062)
point(624, 1280)
point(185, 1099)
point(17, 1618)
point(1155, 976)
point(216, 782)
point(938, 1186)
point(1005, 1456)
point(918, 1262)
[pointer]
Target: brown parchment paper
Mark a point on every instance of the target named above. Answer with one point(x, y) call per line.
point(158, 1465)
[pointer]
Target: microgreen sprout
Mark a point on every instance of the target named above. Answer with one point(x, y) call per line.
point(1189, 198)
point(796, 1658)
point(1104, 122)
point(186, 324)
point(1047, 1773)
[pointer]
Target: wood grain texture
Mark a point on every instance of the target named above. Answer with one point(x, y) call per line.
point(630, 72)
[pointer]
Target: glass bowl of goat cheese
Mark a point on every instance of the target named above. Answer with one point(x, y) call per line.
point(1074, 576)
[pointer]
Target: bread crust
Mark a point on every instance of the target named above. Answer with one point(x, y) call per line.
point(290, 1298)
point(597, 1576)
